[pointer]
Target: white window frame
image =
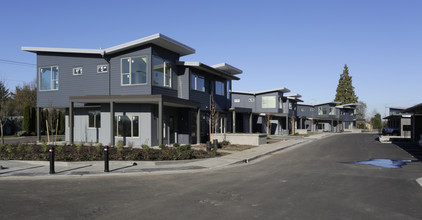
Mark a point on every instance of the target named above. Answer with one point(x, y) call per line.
point(165, 65)
point(236, 100)
point(130, 71)
point(51, 78)
point(75, 69)
point(95, 121)
point(195, 84)
point(332, 111)
point(101, 66)
point(268, 101)
point(130, 116)
point(280, 102)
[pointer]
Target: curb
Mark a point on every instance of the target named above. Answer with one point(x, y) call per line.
point(419, 180)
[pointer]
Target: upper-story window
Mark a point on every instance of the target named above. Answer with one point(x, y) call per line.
point(197, 83)
point(322, 110)
point(290, 106)
point(219, 88)
point(77, 71)
point(162, 72)
point(228, 89)
point(103, 68)
point(332, 111)
point(280, 102)
point(236, 100)
point(268, 101)
point(134, 70)
point(49, 78)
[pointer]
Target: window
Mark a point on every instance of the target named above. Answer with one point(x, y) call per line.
point(321, 126)
point(228, 89)
point(322, 111)
point(162, 72)
point(290, 106)
point(312, 109)
point(332, 111)
point(103, 68)
point(94, 119)
point(49, 78)
point(77, 71)
point(219, 88)
point(197, 83)
point(251, 100)
point(127, 126)
point(134, 70)
point(236, 100)
point(268, 101)
point(280, 102)
point(302, 110)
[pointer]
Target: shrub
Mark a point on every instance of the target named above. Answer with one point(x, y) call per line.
point(28, 149)
point(99, 147)
point(1, 147)
point(162, 146)
point(22, 133)
point(176, 145)
point(19, 148)
point(119, 146)
point(79, 147)
point(59, 148)
point(9, 148)
point(224, 143)
point(130, 145)
point(44, 147)
point(145, 147)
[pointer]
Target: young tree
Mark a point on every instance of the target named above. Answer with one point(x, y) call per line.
point(345, 90)
point(24, 95)
point(376, 121)
point(4, 107)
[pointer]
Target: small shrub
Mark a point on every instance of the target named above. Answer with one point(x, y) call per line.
point(79, 147)
point(162, 146)
point(19, 148)
point(44, 147)
point(59, 148)
point(130, 145)
point(9, 148)
point(99, 147)
point(145, 147)
point(28, 149)
point(119, 146)
point(224, 143)
point(1, 147)
point(22, 133)
point(176, 145)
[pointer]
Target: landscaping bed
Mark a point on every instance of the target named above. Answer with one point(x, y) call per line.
point(225, 145)
point(79, 152)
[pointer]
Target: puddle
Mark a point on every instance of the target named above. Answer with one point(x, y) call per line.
point(388, 163)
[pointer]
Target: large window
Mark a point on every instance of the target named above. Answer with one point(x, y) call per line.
point(322, 110)
point(49, 78)
point(219, 88)
point(268, 101)
point(94, 119)
point(228, 89)
point(332, 111)
point(134, 70)
point(197, 83)
point(127, 126)
point(162, 72)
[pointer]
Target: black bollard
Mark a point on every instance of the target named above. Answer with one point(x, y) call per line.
point(208, 146)
point(215, 144)
point(51, 150)
point(106, 167)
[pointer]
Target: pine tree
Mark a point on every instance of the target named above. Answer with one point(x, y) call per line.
point(345, 90)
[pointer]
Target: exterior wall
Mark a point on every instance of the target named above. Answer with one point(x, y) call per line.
point(258, 101)
point(90, 82)
point(246, 101)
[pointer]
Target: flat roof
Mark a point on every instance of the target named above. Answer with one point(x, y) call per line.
point(208, 69)
point(283, 90)
point(156, 39)
point(417, 109)
point(227, 68)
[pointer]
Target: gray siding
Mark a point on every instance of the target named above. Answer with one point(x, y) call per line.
point(90, 82)
point(244, 101)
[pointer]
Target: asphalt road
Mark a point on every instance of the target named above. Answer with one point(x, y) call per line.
point(311, 181)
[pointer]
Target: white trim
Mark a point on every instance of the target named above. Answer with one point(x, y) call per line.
point(102, 65)
point(283, 90)
point(51, 78)
point(79, 67)
point(130, 71)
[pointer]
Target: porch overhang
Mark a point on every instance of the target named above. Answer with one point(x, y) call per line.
point(137, 99)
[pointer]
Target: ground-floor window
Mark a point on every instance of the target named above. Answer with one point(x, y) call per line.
point(127, 125)
point(94, 119)
point(321, 126)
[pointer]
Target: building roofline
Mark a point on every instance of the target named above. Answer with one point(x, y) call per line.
point(283, 90)
point(156, 39)
point(227, 68)
point(209, 69)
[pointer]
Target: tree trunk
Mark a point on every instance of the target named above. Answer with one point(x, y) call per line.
point(1, 128)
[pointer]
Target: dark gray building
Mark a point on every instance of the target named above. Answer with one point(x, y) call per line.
point(399, 121)
point(137, 92)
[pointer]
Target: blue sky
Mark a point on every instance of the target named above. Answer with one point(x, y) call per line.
point(300, 45)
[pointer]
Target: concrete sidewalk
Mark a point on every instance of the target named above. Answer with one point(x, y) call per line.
point(20, 169)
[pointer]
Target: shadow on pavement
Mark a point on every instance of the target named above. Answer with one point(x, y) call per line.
point(412, 148)
point(12, 171)
point(76, 168)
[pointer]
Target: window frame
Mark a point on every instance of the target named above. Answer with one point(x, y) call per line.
point(51, 78)
point(221, 88)
point(194, 85)
point(97, 114)
point(267, 97)
point(130, 116)
point(130, 71)
point(102, 65)
point(75, 68)
point(165, 65)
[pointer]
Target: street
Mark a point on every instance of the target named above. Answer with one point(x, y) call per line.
point(311, 181)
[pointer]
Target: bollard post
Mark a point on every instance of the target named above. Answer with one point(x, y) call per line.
point(208, 146)
point(215, 144)
point(106, 167)
point(51, 150)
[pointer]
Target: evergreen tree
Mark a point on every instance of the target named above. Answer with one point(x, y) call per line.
point(33, 121)
point(345, 90)
point(26, 119)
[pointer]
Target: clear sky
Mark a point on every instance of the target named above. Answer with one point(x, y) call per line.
point(300, 45)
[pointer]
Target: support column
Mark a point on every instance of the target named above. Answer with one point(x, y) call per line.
point(198, 126)
point(112, 125)
point(287, 124)
point(250, 122)
point(332, 125)
point(71, 123)
point(234, 122)
point(39, 124)
point(160, 122)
